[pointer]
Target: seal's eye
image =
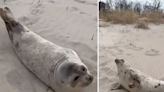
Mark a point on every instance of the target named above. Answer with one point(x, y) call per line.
point(83, 68)
point(76, 78)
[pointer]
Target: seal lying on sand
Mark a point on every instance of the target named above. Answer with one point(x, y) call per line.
point(58, 67)
point(135, 81)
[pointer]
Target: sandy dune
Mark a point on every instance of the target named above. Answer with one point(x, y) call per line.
point(142, 49)
point(69, 23)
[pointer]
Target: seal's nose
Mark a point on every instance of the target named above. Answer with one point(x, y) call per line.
point(90, 78)
point(117, 61)
point(121, 61)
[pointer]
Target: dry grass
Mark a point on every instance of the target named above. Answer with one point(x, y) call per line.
point(122, 17)
point(130, 17)
point(105, 16)
point(142, 25)
point(154, 17)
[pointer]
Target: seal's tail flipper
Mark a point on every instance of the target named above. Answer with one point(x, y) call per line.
point(8, 18)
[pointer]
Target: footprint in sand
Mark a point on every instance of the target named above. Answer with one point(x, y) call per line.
point(24, 19)
point(85, 2)
point(37, 8)
point(82, 12)
point(125, 31)
point(51, 1)
point(152, 52)
point(71, 9)
point(28, 20)
point(36, 11)
point(74, 9)
point(116, 51)
point(80, 1)
point(133, 47)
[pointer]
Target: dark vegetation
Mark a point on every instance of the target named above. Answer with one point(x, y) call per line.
point(124, 12)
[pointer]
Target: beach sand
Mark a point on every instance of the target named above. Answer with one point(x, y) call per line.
point(69, 23)
point(142, 49)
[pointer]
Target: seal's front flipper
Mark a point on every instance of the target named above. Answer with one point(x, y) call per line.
point(132, 85)
point(116, 86)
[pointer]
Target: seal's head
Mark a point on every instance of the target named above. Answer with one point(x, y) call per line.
point(119, 62)
point(121, 66)
point(74, 75)
point(128, 76)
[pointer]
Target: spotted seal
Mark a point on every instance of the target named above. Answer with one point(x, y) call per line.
point(134, 80)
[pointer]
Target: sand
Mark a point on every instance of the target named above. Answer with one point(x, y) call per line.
point(69, 23)
point(142, 49)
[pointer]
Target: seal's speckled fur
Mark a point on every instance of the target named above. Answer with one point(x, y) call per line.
point(135, 81)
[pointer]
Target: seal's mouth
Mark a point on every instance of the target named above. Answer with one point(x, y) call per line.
point(89, 79)
point(82, 81)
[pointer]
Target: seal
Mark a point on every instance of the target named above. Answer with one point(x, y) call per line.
point(134, 80)
point(58, 67)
